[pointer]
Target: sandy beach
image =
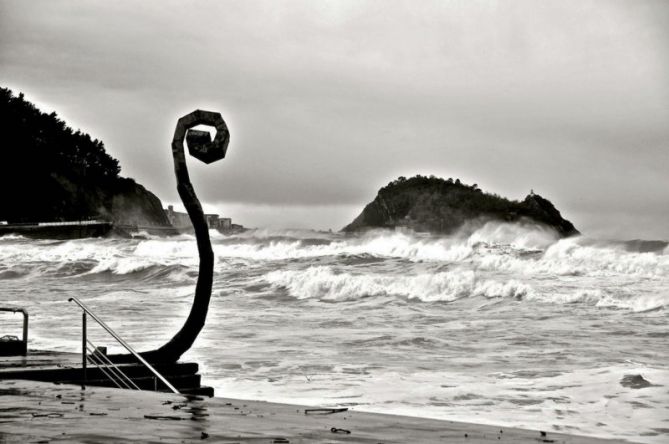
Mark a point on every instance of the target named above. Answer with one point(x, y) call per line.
point(45, 412)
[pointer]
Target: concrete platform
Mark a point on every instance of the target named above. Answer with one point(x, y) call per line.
point(45, 412)
point(40, 359)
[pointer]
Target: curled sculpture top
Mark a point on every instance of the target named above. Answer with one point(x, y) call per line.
point(202, 147)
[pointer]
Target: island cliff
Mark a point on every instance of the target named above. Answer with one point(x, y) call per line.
point(49, 173)
point(442, 206)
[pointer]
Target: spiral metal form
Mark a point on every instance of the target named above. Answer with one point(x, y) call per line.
point(207, 151)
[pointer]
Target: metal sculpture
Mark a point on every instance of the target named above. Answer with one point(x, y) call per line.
point(202, 147)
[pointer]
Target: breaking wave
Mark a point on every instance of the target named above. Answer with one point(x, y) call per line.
point(324, 283)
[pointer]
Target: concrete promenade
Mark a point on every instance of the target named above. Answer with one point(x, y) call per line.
point(47, 412)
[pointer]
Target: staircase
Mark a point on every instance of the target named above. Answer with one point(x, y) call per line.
point(131, 371)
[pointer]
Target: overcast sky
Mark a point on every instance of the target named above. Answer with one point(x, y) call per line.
point(328, 101)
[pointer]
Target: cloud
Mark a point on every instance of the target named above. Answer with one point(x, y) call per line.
point(327, 101)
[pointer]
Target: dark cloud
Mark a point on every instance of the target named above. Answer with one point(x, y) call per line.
point(327, 101)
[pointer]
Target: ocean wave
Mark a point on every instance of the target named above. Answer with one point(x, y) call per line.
point(576, 257)
point(11, 237)
point(602, 298)
point(131, 271)
point(330, 284)
point(603, 260)
point(13, 273)
point(384, 244)
point(323, 282)
point(495, 246)
point(522, 251)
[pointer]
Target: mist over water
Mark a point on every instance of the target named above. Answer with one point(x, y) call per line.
point(505, 324)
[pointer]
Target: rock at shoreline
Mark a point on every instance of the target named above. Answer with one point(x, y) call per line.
point(431, 204)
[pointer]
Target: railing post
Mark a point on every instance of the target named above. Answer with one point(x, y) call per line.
point(83, 346)
point(25, 330)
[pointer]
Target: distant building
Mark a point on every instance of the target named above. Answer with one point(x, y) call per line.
point(212, 220)
point(224, 223)
point(218, 223)
point(182, 222)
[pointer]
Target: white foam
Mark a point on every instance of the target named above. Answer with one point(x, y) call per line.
point(497, 259)
point(323, 282)
point(517, 236)
point(589, 402)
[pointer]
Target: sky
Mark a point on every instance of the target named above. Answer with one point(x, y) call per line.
point(328, 101)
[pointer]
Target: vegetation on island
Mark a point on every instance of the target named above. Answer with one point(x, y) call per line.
point(50, 172)
point(432, 204)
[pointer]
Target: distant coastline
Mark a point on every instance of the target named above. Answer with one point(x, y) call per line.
point(58, 230)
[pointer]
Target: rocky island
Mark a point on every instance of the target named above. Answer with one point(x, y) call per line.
point(431, 204)
point(52, 173)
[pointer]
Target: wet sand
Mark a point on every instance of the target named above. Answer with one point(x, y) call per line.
point(46, 412)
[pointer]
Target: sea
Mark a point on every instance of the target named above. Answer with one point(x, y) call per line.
point(501, 324)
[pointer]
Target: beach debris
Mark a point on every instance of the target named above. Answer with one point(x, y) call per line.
point(161, 417)
point(47, 415)
point(204, 435)
point(324, 411)
point(280, 441)
point(336, 430)
point(635, 382)
point(543, 436)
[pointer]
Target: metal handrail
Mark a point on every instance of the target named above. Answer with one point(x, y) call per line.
point(103, 362)
point(120, 341)
point(103, 369)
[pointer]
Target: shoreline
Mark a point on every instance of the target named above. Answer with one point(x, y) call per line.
point(40, 411)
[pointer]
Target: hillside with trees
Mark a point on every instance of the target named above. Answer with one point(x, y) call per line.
point(50, 172)
point(432, 204)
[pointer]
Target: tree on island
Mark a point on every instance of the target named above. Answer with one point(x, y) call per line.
point(51, 172)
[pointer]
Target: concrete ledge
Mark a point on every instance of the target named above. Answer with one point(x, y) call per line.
point(43, 412)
